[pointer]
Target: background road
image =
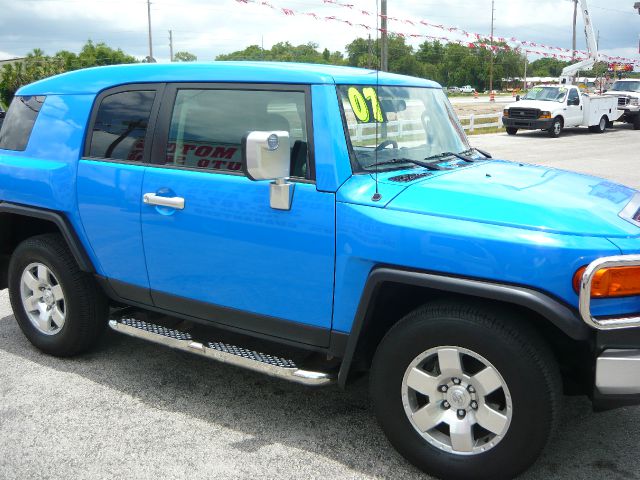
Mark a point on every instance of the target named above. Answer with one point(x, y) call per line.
point(130, 409)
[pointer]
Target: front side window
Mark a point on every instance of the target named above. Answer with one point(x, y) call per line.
point(573, 96)
point(120, 127)
point(19, 121)
point(390, 124)
point(207, 127)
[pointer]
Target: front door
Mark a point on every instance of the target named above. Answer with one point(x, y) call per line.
point(225, 255)
point(574, 112)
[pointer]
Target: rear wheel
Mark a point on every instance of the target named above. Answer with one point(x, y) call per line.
point(601, 127)
point(556, 128)
point(464, 392)
point(512, 130)
point(58, 307)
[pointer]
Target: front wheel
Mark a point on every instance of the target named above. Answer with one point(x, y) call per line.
point(556, 128)
point(59, 308)
point(512, 130)
point(465, 392)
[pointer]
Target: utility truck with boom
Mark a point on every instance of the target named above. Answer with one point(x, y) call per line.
point(555, 107)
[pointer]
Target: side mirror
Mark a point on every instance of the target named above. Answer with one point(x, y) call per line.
point(266, 155)
point(517, 98)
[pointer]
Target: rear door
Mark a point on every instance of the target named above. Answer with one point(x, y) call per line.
point(109, 183)
point(225, 255)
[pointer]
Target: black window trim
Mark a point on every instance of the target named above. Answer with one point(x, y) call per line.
point(161, 130)
point(158, 88)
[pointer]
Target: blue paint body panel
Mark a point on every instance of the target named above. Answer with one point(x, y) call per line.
point(494, 220)
point(93, 80)
point(109, 204)
point(228, 247)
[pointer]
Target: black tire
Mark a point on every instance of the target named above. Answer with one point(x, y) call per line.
point(610, 124)
point(636, 122)
point(555, 130)
point(85, 306)
point(601, 127)
point(516, 351)
point(512, 130)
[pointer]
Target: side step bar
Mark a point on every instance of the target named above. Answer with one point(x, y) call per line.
point(223, 352)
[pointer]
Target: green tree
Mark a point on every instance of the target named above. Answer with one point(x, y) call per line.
point(546, 67)
point(184, 57)
point(286, 52)
point(37, 65)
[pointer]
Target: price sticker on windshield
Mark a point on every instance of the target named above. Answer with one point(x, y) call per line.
point(365, 104)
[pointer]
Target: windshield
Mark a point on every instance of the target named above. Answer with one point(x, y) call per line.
point(394, 123)
point(626, 86)
point(546, 94)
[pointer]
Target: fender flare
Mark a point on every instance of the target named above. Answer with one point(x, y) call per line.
point(62, 222)
point(559, 314)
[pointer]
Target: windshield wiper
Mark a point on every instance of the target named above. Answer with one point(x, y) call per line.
point(394, 161)
point(451, 154)
point(481, 152)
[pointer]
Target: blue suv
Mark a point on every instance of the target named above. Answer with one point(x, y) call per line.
point(316, 223)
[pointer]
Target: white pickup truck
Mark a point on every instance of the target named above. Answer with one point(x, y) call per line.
point(628, 93)
point(555, 107)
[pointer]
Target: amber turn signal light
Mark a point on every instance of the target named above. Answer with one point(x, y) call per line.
point(611, 282)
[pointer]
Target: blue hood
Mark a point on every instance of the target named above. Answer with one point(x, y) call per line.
point(523, 196)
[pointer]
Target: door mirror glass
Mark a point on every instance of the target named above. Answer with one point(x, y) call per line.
point(517, 98)
point(266, 155)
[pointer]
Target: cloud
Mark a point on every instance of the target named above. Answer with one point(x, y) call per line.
point(209, 28)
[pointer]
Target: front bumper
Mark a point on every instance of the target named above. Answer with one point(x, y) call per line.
point(527, 124)
point(618, 372)
point(617, 366)
point(630, 112)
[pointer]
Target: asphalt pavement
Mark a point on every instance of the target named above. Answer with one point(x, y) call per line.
point(130, 409)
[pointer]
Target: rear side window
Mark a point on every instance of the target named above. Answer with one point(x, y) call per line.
point(207, 127)
point(120, 127)
point(18, 124)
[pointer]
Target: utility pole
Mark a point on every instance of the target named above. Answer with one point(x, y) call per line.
point(384, 50)
point(151, 59)
point(526, 61)
point(493, 10)
point(171, 45)
point(575, 20)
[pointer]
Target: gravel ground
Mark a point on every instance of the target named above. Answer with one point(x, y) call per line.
point(136, 410)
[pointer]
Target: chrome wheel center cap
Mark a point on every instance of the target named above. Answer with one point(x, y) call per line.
point(47, 297)
point(458, 397)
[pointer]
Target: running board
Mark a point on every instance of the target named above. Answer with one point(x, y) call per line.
point(223, 352)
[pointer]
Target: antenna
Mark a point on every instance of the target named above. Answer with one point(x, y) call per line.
point(377, 196)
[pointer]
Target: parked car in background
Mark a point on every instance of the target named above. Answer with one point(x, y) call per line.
point(453, 89)
point(467, 89)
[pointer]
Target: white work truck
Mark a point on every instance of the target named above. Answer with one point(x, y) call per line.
point(627, 92)
point(555, 107)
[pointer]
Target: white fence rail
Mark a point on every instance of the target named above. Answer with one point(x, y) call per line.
point(407, 128)
point(477, 126)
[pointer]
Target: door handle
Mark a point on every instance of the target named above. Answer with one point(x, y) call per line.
point(171, 202)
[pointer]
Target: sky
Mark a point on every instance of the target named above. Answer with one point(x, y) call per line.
point(209, 28)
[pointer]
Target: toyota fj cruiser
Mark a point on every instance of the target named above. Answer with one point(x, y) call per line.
point(314, 223)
